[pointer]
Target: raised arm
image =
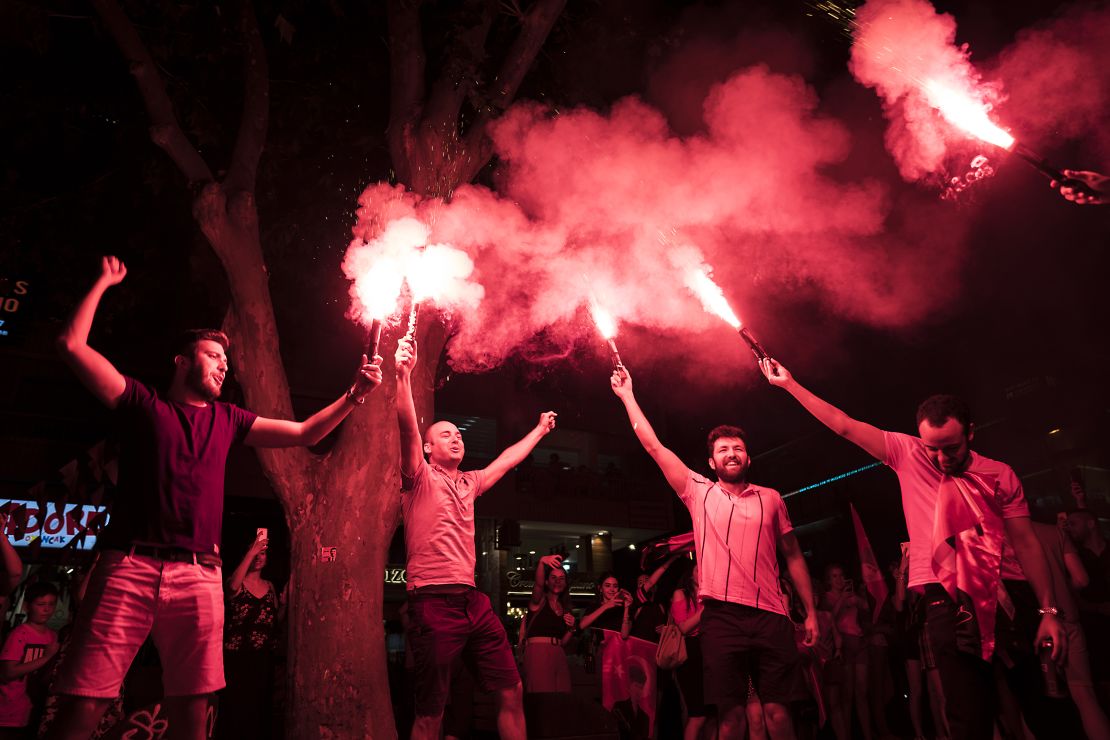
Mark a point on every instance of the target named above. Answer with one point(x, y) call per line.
point(658, 572)
point(868, 437)
point(547, 561)
point(235, 580)
point(282, 433)
point(515, 454)
point(674, 470)
point(1030, 554)
point(92, 368)
point(799, 575)
point(412, 451)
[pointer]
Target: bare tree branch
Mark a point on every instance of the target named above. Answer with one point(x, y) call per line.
point(407, 62)
point(164, 128)
point(535, 27)
point(457, 78)
point(256, 105)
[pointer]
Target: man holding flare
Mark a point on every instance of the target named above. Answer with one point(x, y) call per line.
point(745, 628)
point(967, 517)
point(449, 617)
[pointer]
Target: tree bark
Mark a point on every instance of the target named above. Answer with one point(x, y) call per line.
point(347, 499)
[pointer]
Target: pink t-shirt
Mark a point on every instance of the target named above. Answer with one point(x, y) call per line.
point(24, 644)
point(439, 525)
point(735, 538)
point(681, 610)
point(921, 481)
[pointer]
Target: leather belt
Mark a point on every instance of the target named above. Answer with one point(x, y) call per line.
point(176, 555)
point(443, 588)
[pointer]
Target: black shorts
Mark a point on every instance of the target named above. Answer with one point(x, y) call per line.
point(444, 627)
point(740, 643)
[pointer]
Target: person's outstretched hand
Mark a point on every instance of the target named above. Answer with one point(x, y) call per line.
point(1095, 188)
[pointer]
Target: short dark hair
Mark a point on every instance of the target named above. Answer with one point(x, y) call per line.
point(724, 431)
point(189, 339)
point(39, 589)
point(940, 408)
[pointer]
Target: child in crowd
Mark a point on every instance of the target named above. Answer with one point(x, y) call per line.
point(29, 647)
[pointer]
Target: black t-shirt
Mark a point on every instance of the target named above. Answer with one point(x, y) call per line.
point(1097, 590)
point(544, 622)
point(646, 616)
point(171, 470)
point(610, 619)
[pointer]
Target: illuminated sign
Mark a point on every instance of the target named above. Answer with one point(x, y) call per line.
point(57, 525)
point(518, 584)
point(395, 574)
point(14, 293)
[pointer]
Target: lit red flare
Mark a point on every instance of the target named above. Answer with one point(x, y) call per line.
point(966, 113)
point(373, 339)
point(607, 325)
point(714, 301)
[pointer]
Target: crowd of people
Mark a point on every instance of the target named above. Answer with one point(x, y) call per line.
point(984, 605)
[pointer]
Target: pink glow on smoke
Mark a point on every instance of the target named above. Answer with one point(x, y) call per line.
point(620, 198)
point(1057, 86)
point(438, 273)
point(907, 52)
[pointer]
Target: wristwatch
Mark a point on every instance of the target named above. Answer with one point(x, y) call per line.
point(1048, 610)
point(356, 400)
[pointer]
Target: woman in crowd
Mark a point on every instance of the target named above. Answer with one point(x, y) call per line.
point(550, 624)
point(250, 636)
point(686, 613)
point(841, 600)
point(909, 622)
point(612, 618)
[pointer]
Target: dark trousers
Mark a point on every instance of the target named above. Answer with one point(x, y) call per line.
point(951, 643)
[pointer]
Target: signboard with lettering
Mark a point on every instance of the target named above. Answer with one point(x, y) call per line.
point(519, 583)
point(57, 525)
point(14, 295)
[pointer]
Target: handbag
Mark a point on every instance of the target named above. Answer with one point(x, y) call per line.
point(671, 652)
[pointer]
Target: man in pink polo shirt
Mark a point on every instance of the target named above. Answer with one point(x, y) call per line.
point(448, 617)
point(967, 518)
point(745, 629)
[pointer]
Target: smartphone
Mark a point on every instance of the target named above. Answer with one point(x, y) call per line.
point(262, 534)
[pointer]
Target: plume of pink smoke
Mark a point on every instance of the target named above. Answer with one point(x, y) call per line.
point(907, 52)
point(1056, 81)
point(621, 198)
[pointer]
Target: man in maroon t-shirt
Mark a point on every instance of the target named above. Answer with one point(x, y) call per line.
point(448, 617)
point(159, 571)
point(739, 528)
point(967, 519)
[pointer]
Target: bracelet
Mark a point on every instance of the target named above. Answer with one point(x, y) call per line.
point(356, 400)
point(1048, 610)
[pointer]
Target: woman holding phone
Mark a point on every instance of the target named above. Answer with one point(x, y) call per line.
point(841, 600)
point(250, 636)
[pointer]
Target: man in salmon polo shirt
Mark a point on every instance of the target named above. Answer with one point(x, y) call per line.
point(745, 629)
point(159, 570)
point(448, 616)
point(967, 518)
